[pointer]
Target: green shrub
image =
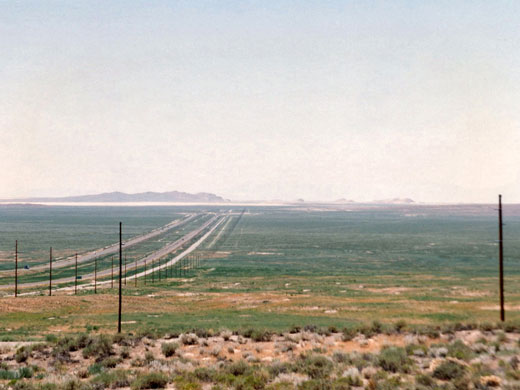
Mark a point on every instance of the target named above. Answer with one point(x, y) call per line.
point(124, 340)
point(238, 368)
point(149, 357)
point(205, 374)
point(429, 331)
point(186, 384)
point(310, 328)
point(377, 327)
point(460, 351)
point(110, 362)
point(152, 380)
point(501, 337)
point(280, 368)
point(424, 380)
point(316, 366)
point(400, 326)
point(22, 354)
point(390, 383)
point(51, 338)
point(344, 384)
point(23, 385)
point(449, 370)
point(69, 344)
point(114, 379)
point(48, 386)
point(82, 341)
point(168, 349)
point(203, 333)
point(315, 384)
point(349, 334)
point(411, 348)
point(295, 329)
point(8, 374)
point(260, 335)
point(367, 331)
point(25, 372)
point(95, 368)
point(253, 381)
point(99, 347)
point(352, 380)
point(324, 331)
point(275, 386)
point(73, 384)
point(189, 339)
point(393, 359)
point(340, 357)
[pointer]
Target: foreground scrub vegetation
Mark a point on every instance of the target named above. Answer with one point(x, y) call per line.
point(374, 357)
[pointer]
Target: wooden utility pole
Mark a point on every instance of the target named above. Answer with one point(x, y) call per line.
point(501, 259)
point(16, 269)
point(76, 276)
point(120, 275)
point(50, 272)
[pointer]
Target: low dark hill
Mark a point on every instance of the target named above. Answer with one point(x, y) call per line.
point(172, 196)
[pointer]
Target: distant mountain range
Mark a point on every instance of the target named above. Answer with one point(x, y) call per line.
point(172, 196)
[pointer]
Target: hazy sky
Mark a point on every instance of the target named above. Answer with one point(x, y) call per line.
point(261, 99)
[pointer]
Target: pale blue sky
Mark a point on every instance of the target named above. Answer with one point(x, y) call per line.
point(262, 99)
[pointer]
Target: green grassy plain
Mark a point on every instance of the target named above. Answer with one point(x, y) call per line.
point(277, 267)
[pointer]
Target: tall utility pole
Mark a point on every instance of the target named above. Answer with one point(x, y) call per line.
point(120, 275)
point(16, 269)
point(50, 272)
point(76, 276)
point(501, 259)
point(95, 276)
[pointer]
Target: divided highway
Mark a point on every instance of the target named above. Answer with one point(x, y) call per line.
point(114, 248)
point(212, 224)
